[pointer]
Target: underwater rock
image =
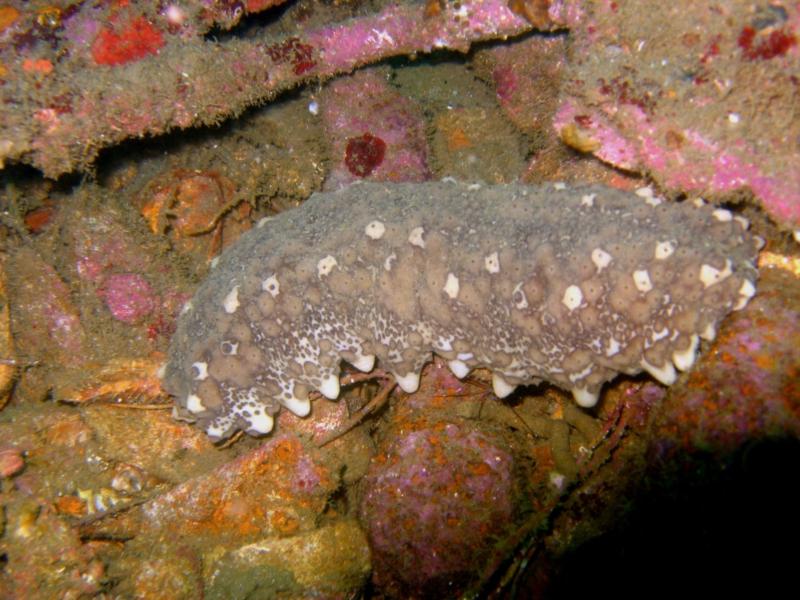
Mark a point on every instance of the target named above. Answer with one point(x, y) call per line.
point(436, 501)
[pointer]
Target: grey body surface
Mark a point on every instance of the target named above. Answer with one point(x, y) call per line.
point(554, 283)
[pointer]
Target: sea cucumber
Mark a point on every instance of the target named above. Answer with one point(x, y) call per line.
point(566, 285)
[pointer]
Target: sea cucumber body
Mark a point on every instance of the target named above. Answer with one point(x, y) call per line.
point(568, 285)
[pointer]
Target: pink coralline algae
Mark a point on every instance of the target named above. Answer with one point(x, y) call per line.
point(684, 107)
point(128, 296)
point(373, 131)
point(713, 167)
point(434, 500)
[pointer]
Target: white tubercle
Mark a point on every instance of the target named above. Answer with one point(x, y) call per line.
point(584, 397)
point(194, 404)
point(747, 291)
point(572, 297)
point(415, 237)
point(330, 387)
point(613, 347)
point(200, 370)
point(325, 266)
point(364, 363)
point(271, 286)
point(649, 196)
point(684, 359)
point(451, 286)
point(664, 250)
point(214, 431)
point(375, 230)
point(501, 387)
point(601, 259)
point(443, 344)
point(709, 333)
point(409, 383)
point(710, 275)
point(261, 423)
point(665, 374)
point(298, 406)
point(723, 215)
point(492, 263)
point(459, 368)
point(231, 301)
point(641, 280)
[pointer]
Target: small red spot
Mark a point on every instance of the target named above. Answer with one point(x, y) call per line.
point(38, 218)
point(583, 120)
point(777, 43)
point(293, 50)
point(160, 327)
point(624, 93)
point(302, 66)
point(62, 104)
point(258, 5)
point(130, 43)
point(364, 154)
point(711, 50)
point(690, 39)
point(37, 65)
point(746, 38)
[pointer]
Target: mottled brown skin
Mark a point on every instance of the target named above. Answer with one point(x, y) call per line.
point(565, 285)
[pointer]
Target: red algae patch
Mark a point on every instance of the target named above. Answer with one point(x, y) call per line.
point(127, 44)
point(777, 43)
point(363, 154)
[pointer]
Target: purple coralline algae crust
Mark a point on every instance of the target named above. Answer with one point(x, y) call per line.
point(433, 503)
point(571, 286)
point(129, 297)
point(681, 95)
